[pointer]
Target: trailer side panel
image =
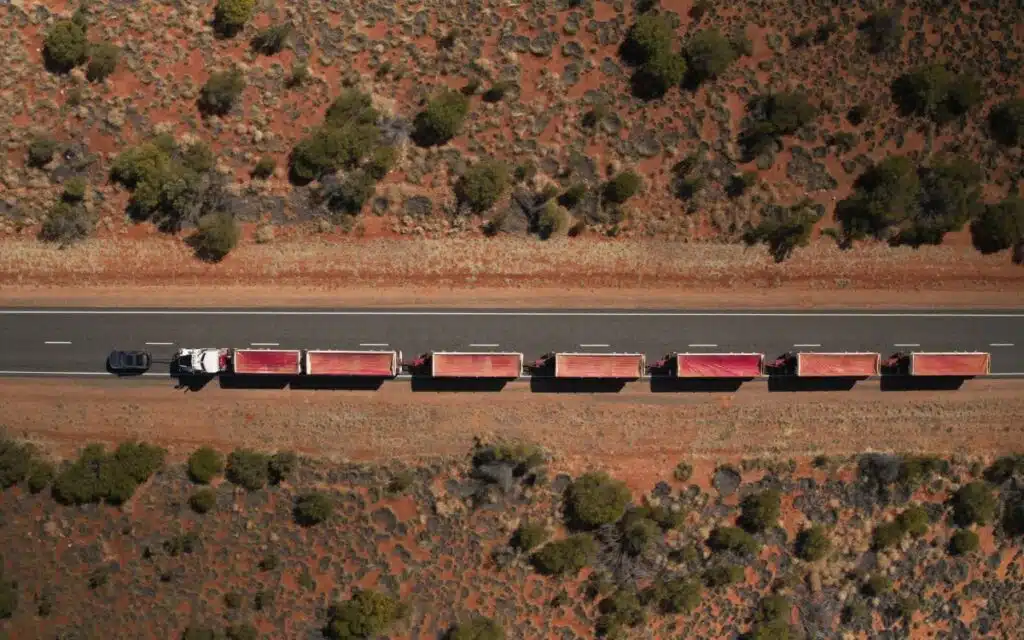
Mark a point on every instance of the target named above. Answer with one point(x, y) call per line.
point(267, 362)
point(623, 366)
point(719, 365)
point(352, 363)
point(950, 364)
point(476, 365)
point(838, 365)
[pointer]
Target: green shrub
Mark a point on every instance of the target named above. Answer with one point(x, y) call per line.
point(876, 585)
point(482, 185)
point(595, 499)
point(74, 190)
point(1004, 468)
point(248, 469)
point(263, 600)
point(498, 90)
point(221, 91)
point(272, 39)
point(65, 46)
point(381, 161)
point(934, 92)
point(203, 500)
point(733, 539)
point(760, 511)
point(147, 163)
point(974, 503)
point(883, 31)
point(661, 72)
point(243, 631)
point(264, 168)
point(884, 196)
point(299, 76)
point(618, 611)
point(622, 187)
point(351, 107)
point(999, 226)
point(721, 575)
point(914, 521)
point(775, 115)
point(963, 542)
point(332, 148)
point(232, 600)
point(1013, 517)
point(637, 534)
point(650, 35)
point(216, 235)
point(565, 557)
point(103, 58)
point(199, 633)
point(40, 475)
point(313, 508)
point(65, 224)
point(8, 598)
point(915, 470)
point(351, 193)
point(553, 220)
point(230, 16)
point(529, 536)
point(367, 614)
point(281, 465)
point(812, 544)
point(885, 535)
point(401, 482)
point(477, 628)
point(1006, 122)
point(98, 476)
point(139, 460)
point(783, 229)
point(441, 120)
point(16, 462)
point(573, 195)
point(270, 562)
point(709, 54)
point(41, 151)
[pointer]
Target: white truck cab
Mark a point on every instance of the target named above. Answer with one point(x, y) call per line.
point(201, 361)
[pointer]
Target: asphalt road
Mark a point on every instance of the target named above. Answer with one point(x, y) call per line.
point(77, 341)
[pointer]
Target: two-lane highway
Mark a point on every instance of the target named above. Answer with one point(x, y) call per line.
point(77, 341)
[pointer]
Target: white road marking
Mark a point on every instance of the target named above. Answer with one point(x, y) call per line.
point(1000, 344)
point(264, 344)
point(589, 346)
point(159, 344)
point(645, 314)
point(906, 344)
point(806, 345)
point(703, 345)
point(373, 344)
point(483, 344)
point(57, 342)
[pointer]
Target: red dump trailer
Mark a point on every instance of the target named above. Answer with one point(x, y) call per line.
point(953, 364)
point(828, 365)
point(712, 365)
point(615, 366)
point(467, 364)
point(378, 364)
point(266, 362)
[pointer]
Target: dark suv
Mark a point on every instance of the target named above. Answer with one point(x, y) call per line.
point(128, 362)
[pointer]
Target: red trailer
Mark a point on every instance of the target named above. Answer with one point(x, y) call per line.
point(712, 365)
point(960, 364)
point(267, 362)
point(829, 365)
point(378, 364)
point(614, 366)
point(468, 364)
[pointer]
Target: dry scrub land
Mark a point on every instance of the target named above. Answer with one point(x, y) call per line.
point(551, 142)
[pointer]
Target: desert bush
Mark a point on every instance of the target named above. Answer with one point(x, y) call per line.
point(199, 633)
point(565, 557)
point(876, 585)
point(65, 224)
point(281, 465)
point(476, 628)
point(351, 107)
point(683, 472)
point(221, 91)
point(999, 226)
point(441, 120)
point(884, 196)
point(313, 508)
point(595, 499)
point(367, 614)
point(498, 90)
point(216, 235)
point(650, 35)
point(760, 511)
point(401, 482)
point(529, 535)
point(1004, 468)
point(772, 116)
point(664, 70)
point(15, 463)
point(350, 193)
point(264, 168)
point(242, 631)
point(270, 562)
point(619, 611)
point(885, 535)
point(783, 229)
point(933, 91)
point(483, 184)
point(74, 190)
point(203, 500)
point(622, 187)
point(103, 58)
point(41, 151)
point(812, 544)
point(721, 575)
point(299, 76)
point(65, 47)
point(573, 195)
point(637, 534)
point(883, 31)
point(8, 598)
point(913, 521)
point(139, 460)
point(740, 182)
point(1013, 517)
point(708, 54)
point(1006, 122)
point(248, 469)
point(553, 220)
point(963, 542)
point(974, 503)
point(230, 16)
point(674, 595)
point(272, 39)
point(110, 477)
point(40, 475)
point(915, 470)
point(381, 161)
point(733, 539)
point(332, 148)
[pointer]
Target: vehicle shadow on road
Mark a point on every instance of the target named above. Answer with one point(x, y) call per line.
point(796, 384)
point(922, 383)
point(191, 383)
point(668, 384)
point(570, 385)
point(457, 385)
point(254, 382)
point(354, 383)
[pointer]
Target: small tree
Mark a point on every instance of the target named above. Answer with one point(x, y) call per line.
point(999, 226)
point(203, 500)
point(41, 150)
point(441, 120)
point(221, 91)
point(553, 220)
point(733, 539)
point(529, 536)
point(367, 614)
point(264, 168)
point(477, 628)
point(622, 187)
point(676, 595)
point(272, 39)
point(709, 54)
point(248, 469)
point(66, 223)
point(783, 229)
point(483, 184)
point(963, 542)
point(812, 544)
point(74, 190)
point(1006, 122)
point(230, 16)
point(760, 511)
point(331, 148)
point(352, 106)
point(886, 535)
point(204, 463)
point(650, 35)
point(381, 161)
point(883, 31)
point(661, 72)
point(216, 235)
point(65, 46)
point(281, 465)
point(351, 193)
point(313, 508)
point(974, 503)
point(914, 521)
point(8, 598)
point(595, 499)
point(618, 611)
point(565, 557)
point(721, 575)
point(103, 58)
point(884, 196)
point(876, 585)
point(139, 460)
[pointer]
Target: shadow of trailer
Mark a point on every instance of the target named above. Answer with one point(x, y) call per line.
point(550, 384)
point(671, 384)
point(429, 384)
